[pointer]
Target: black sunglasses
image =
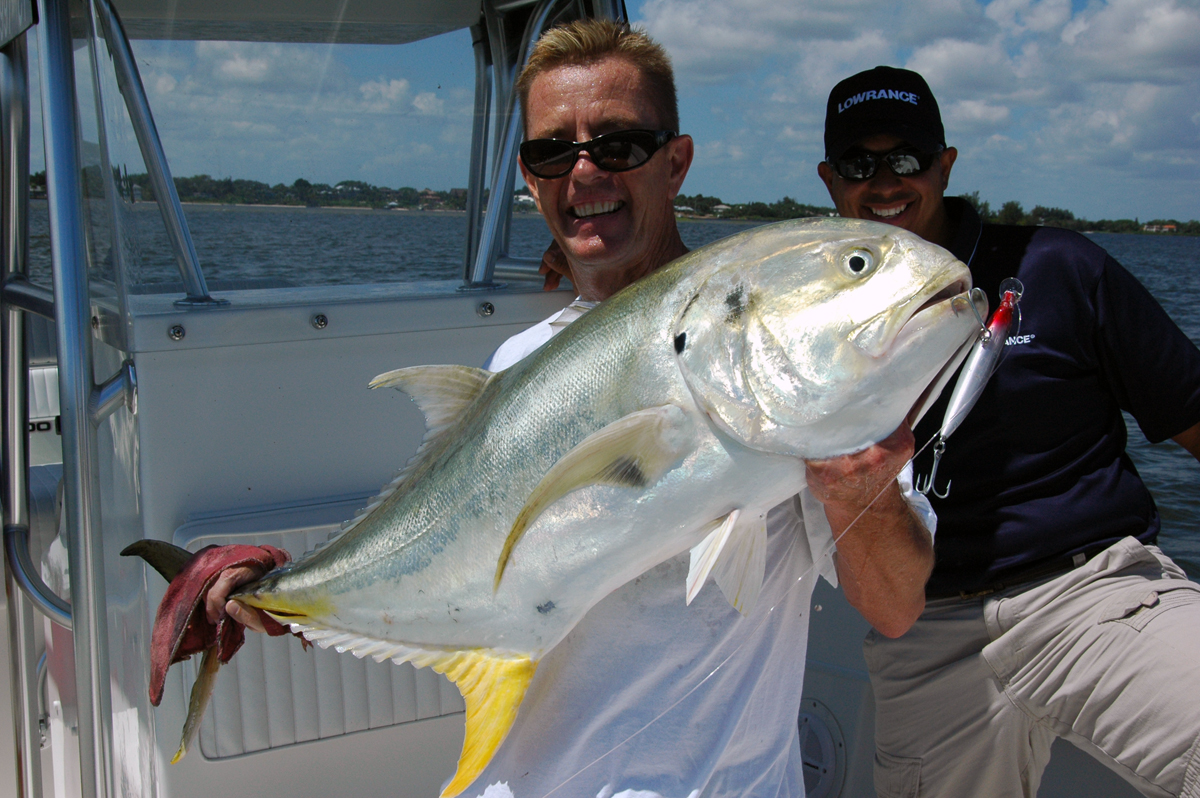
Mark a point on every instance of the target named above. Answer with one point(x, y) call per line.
point(903, 161)
point(614, 152)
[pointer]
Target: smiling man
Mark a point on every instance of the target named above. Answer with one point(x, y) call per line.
point(1050, 611)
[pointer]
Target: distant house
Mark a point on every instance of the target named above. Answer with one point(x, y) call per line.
point(430, 200)
point(721, 210)
point(524, 202)
point(685, 210)
point(1159, 228)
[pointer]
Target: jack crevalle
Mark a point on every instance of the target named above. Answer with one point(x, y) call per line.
point(671, 417)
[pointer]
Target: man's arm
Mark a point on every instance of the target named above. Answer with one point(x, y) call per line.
point(885, 555)
point(1190, 440)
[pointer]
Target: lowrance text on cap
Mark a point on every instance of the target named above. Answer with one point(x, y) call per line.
point(887, 100)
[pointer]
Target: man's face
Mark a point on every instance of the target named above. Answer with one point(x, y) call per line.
point(914, 202)
point(604, 220)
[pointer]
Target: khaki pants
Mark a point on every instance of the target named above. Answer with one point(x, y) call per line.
point(1107, 655)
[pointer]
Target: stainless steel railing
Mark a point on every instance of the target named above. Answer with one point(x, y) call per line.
point(60, 124)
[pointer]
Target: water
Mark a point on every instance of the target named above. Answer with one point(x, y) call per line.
point(1170, 268)
point(319, 246)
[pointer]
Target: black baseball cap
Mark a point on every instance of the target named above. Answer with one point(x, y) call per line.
point(882, 100)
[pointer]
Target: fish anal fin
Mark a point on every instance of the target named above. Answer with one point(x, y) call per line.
point(634, 452)
point(740, 572)
point(735, 553)
point(442, 392)
point(492, 687)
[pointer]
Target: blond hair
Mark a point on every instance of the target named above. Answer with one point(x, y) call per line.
point(588, 41)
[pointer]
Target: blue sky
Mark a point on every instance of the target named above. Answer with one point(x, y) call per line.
point(1089, 106)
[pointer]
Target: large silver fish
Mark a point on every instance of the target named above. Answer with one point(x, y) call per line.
point(671, 417)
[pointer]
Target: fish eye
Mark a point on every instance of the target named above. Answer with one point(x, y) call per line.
point(859, 261)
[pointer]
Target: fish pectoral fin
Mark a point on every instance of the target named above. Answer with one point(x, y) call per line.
point(492, 687)
point(735, 553)
point(633, 452)
point(442, 392)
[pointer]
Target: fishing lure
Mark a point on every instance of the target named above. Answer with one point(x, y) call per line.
point(978, 368)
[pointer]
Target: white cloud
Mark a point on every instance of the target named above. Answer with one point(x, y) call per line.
point(975, 115)
point(163, 84)
point(964, 68)
point(428, 104)
point(384, 93)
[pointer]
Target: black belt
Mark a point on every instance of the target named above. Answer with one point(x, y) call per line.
point(1042, 570)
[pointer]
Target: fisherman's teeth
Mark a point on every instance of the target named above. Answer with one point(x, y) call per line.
point(594, 209)
point(887, 213)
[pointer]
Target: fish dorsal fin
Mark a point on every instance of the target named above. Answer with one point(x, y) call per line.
point(492, 684)
point(735, 553)
point(442, 392)
point(632, 452)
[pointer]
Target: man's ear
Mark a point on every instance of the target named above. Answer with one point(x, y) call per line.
point(679, 152)
point(826, 173)
point(532, 183)
point(947, 157)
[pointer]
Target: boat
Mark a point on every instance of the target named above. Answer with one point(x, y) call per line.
point(202, 412)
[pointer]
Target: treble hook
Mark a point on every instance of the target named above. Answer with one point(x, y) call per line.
point(924, 486)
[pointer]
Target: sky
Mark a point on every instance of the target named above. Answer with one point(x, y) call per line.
point(1085, 105)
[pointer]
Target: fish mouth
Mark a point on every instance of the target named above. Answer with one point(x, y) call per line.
point(879, 334)
point(952, 290)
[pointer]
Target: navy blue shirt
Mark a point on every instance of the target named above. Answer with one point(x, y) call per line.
point(1039, 467)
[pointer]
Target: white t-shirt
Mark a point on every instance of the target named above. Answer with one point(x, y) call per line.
point(650, 698)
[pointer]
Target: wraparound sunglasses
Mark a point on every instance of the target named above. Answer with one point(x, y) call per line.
point(612, 152)
point(903, 161)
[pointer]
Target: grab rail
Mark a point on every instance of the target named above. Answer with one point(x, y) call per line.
point(506, 68)
point(16, 551)
point(17, 298)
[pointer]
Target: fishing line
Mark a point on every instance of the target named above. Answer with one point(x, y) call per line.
point(811, 571)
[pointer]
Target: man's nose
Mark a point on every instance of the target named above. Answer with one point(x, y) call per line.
point(885, 179)
point(585, 169)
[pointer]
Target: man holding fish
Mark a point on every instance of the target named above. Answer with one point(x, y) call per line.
point(641, 662)
point(1050, 611)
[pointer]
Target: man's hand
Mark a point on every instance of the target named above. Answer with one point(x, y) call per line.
point(554, 267)
point(217, 603)
point(884, 553)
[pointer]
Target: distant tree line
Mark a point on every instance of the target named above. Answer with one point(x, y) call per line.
point(347, 193)
point(1012, 213)
point(786, 208)
point(357, 194)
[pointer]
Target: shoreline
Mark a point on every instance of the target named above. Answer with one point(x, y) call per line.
point(451, 211)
